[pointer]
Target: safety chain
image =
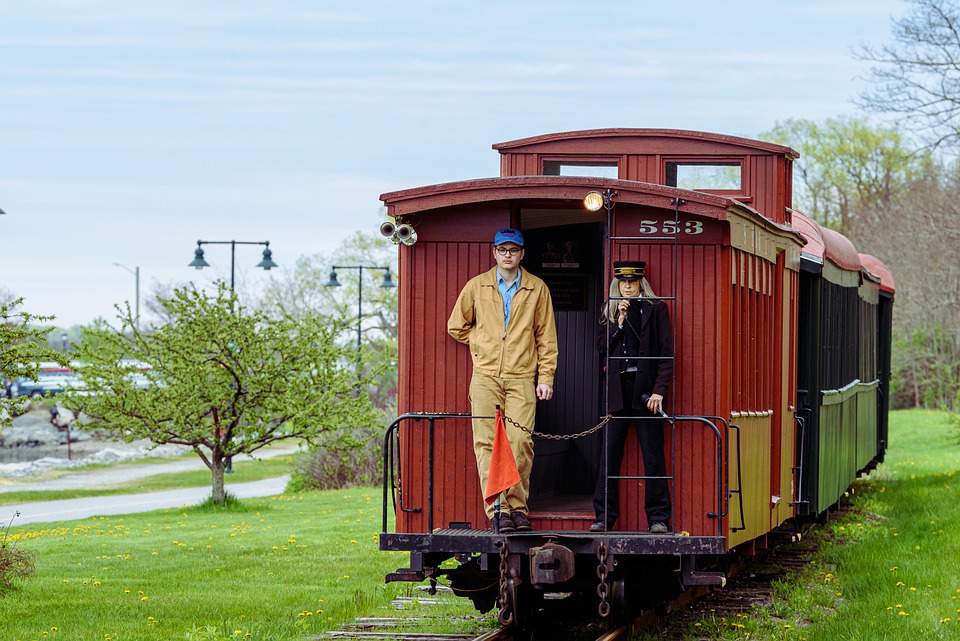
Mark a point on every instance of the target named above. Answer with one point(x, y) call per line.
point(604, 608)
point(505, 614)
point(560, 437)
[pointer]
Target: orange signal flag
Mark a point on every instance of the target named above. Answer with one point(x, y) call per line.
point(503, 467)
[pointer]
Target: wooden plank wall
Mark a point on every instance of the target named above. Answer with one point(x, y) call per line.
point(435, 375)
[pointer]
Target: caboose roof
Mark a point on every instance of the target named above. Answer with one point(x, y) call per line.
point(554, 188)
point(635, 140)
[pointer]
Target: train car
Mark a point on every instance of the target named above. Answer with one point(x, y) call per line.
point(711, 215)
point(844, 366)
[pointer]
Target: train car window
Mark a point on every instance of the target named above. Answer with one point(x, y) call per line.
point(704, 176)
point(602, 169)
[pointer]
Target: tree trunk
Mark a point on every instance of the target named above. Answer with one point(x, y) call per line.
point(219, 494)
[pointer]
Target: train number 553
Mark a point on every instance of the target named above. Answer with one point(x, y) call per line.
point(669, 227)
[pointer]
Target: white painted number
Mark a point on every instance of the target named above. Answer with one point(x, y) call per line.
point(669, 227)
point(648, 227)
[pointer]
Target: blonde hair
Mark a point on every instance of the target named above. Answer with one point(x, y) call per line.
point(608, 313)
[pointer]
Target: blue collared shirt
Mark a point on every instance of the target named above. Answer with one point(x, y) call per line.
point(506, 293)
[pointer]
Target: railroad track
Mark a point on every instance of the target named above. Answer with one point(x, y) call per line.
point(422, 626)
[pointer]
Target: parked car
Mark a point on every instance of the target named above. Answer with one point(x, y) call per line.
point(46, 384)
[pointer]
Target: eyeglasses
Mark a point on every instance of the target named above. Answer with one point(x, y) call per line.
point(513, 251)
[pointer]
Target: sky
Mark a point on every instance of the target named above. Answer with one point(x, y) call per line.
point(130, 130)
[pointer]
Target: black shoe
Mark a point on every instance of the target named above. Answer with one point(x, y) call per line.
point(521, 522)
point(600, 526)
point(505, 524)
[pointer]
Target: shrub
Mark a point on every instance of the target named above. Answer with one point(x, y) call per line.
point(15, 562)
point(341, 460)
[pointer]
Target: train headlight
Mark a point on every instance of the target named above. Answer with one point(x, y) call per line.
point(593, 201)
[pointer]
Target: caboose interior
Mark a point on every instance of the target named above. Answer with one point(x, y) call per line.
point(569, 257)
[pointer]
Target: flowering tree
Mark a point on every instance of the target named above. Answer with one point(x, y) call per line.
point(219, 378)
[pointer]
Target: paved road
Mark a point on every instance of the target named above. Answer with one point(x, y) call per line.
point(72, 509)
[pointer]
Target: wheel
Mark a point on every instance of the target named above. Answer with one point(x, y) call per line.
point(619, 602)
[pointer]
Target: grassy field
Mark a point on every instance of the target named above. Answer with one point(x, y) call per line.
point(293, 566)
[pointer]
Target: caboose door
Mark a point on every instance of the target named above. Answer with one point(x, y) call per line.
point(569, 259)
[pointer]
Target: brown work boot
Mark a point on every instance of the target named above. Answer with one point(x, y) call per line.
point(521, 522)
point(504, 525)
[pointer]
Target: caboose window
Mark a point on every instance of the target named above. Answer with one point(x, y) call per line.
point(597, 169)
point(704, 176)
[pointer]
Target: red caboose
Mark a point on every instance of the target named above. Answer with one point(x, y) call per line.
point(710, 215)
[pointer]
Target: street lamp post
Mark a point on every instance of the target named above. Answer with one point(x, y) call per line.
point(136, 275)
point(333, 282)
point(267, 264)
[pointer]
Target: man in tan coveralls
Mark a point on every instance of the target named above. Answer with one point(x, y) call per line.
point(505, 316)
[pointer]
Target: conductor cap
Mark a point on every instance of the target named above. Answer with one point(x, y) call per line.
point(628, 269)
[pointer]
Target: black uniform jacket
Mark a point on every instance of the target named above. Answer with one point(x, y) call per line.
point(646, 332)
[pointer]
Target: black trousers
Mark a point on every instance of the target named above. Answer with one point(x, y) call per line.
point(657, 496)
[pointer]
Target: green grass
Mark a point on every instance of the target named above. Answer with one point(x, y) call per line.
point(275, 568)
point(244, 471)
point(285, 567)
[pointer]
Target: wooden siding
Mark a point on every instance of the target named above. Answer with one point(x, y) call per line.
point(754, 466)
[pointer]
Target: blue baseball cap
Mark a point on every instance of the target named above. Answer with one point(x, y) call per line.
point(508, 235)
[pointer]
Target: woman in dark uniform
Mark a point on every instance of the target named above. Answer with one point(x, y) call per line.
point(634, 328)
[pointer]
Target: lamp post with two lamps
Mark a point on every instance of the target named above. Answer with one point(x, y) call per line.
point(267, 264)
point(136, 275)
point(198, 261)
point(333, 282)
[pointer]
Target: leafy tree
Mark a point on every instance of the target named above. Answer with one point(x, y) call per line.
point(303, 291)
point(22, 348)
point(918, 75)
point(219, 378)
point(847, 167)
